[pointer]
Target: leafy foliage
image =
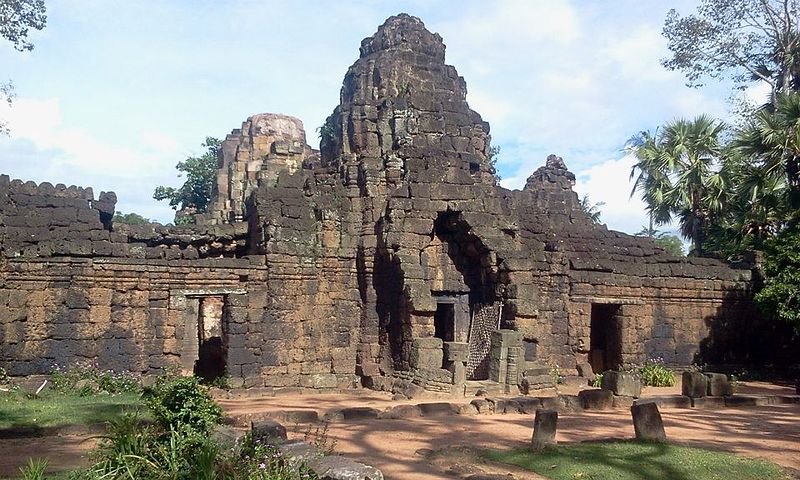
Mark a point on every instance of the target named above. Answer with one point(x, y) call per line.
point(130, 219)
point(17, 17)
point(179, 445)
point(780, 296)
point(675, 173)
point(200, 174)
point(183, 403)
point(746, 40)
point(34, 469)
point(655, 374)
point(592, 210)
point(771, 141)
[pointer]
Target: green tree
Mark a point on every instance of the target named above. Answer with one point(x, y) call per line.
point(771, 141)
point(130, 219)
point(744, 40)
point(592, 210)
point(195, 193)
point(780, 296)
point(17, 17)
point(670, 243)
point(676, 176)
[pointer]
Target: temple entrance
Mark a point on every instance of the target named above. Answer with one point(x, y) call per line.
point(451, 320)
point(212, 349)
point(445, 322)
point(605, 349)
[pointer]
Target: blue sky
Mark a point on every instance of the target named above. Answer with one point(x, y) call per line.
point(116, 92)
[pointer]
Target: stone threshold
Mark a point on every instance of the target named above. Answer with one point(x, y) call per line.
point(503, 405)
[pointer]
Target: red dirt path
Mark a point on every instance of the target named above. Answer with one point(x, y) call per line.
point(398, 446)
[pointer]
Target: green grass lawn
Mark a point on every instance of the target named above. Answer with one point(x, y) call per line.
point(629, 460)
point(55, 410)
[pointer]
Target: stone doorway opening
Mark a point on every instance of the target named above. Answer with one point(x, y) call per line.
point(212, 345)
point(445, 322)
point(605, 341)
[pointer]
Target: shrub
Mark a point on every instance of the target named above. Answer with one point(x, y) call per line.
point(183, 403)
point(597, 381)
point(655, 374)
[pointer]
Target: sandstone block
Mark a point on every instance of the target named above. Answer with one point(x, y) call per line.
point(596, 399)
point(545, 424)
point(268, 431)
point(342, 468)
point(622, 383)
point(647, 423)
point(694, 384)
point(718, 385)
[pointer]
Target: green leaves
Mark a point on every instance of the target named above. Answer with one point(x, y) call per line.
point(17, 17)
point(780, 296)
point(200, 175)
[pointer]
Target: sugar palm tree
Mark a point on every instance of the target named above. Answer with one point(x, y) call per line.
point(675, 172)
point(772, 142)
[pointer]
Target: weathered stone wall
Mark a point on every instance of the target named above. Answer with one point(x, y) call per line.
point(339, 264)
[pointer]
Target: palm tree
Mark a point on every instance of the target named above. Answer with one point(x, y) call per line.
point(676, 176)
point(592, 210)
point(772, 142)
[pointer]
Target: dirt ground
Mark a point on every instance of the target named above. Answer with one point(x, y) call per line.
point(406, 448)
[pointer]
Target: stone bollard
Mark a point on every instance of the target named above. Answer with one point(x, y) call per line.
point(647, 423)
point(718, 385)
point(694, 384)
point(544, 429)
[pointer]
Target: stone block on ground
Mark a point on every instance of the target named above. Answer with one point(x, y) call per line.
point(268, 431)
point(410, 390)
point(718, 385)
point(359, 413)
point(341, 468)
point(694, 384)
point(483, 405)
point(623, 402)
point(545, 424)
point(647, 423)
point(401, 411)
point(596, 399)
point(622, 383)
point(227, 437)
point(299, 452)
point(437, 408)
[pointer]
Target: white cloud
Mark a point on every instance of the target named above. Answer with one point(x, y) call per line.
point(59, 153)
point(635, 54)
point(608, 182)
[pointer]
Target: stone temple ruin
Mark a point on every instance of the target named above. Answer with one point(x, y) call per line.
point(388, 258)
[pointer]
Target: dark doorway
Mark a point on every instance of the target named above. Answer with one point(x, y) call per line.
point(212, 346)
point(605, 350)
point(444, 322)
